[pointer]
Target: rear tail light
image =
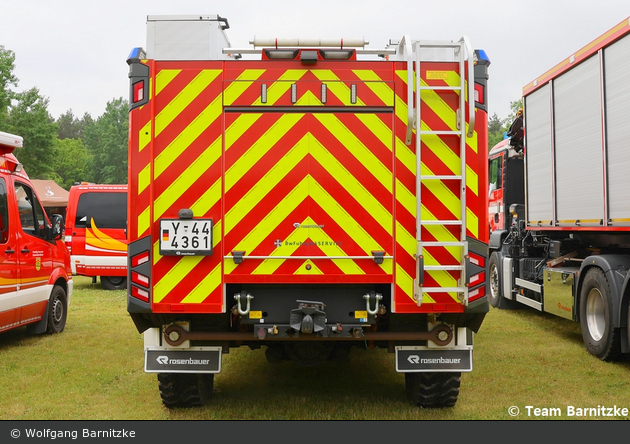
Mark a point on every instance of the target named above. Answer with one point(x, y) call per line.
point(138, 91)
point(68, 241)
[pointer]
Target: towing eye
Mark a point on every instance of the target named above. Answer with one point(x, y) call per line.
point(175, 335)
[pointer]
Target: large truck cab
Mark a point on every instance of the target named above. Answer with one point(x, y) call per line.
point(506, 187)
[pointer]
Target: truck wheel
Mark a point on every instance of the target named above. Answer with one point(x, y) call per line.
point(495, 294)
point(114, 282)
point(433, 390)
point(600, 336)
point(185, 389)
point(57, 310)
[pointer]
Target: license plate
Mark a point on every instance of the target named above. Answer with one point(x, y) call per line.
point(191, 237)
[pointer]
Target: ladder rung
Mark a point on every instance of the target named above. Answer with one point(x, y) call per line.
point(440, 177)
point(440, 88)
point(443, 289)
point(441, 222)
point(443, 244)
point(441, 133)
point(443, 267)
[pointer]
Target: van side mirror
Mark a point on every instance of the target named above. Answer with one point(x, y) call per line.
point(58, 226)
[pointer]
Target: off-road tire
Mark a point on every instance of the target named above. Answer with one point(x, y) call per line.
point(114, 282)
point(185, 390)
point(57, 310)
point(495, 294)
point(433, 390)
point(600, 336)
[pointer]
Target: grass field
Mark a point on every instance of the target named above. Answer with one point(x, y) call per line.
point(94, 371)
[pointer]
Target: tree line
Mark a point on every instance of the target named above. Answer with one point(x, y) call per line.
point(68, 149)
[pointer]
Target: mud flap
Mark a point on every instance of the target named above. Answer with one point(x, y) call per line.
point(197, 360)
point(423, 359)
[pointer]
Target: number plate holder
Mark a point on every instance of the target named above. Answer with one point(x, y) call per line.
point(186, 237)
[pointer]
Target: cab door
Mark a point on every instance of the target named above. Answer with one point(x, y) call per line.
point(10, 305)
point(34, 254)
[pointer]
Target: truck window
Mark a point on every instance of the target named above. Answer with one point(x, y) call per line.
point(31, 211)
point(108, 210)
point(4, 213)
point(495, 173)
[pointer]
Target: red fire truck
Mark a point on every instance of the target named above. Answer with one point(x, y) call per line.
point(560, 240)
point(306, 196)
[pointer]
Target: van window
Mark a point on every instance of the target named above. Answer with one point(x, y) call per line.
point(109, 210)
point(4, 213)
point(31, 211)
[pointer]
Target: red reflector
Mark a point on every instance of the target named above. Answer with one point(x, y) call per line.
point(477, 279)
point(139, 279)
point(477, 260)
point(138, 91)
point(138, 293)
point(476, 293)
point(478, 93)
point(140, 259)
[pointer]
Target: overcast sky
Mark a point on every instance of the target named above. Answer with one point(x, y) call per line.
point(75, 51)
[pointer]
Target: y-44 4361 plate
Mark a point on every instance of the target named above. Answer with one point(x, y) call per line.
point(186, 237)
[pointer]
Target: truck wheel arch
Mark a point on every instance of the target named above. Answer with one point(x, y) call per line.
point(618, 283)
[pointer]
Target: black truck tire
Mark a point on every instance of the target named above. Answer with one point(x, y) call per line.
point(57, 310)
point(185, 390)
point(600, 336)
point(495, 294)
point(114, 282)
point(433, 390)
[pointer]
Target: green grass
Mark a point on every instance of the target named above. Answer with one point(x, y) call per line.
point(94, 371)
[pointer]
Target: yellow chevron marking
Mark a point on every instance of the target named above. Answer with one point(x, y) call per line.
point(382, 89)
point(344, 220)
point(351, 184)
point(269, 266)
point(256, 151)
point(238, 128)
point(178, 146)
point(281, 86)
point(240, 85)
point(379, 128)
point(164, 77)
point(184, 98)
point(404, 281)
point(308, 98)
point(164, 201)
point(337, 87)
point(144, 178)
point(270, 221)
point(302, 270)
point(174, 276)
point(208, 199)
point(205, 287)
point(144, 221)
point(144, 136)
point(261, 189)
point(362, 153)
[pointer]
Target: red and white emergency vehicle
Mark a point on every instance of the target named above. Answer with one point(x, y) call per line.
point(306, 196)
point(35, 276)
point(96, 232)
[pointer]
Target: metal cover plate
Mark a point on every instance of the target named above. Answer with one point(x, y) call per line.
point(207, 360)
point(425, 360)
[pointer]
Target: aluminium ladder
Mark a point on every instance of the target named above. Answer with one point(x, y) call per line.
point(464, 52)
